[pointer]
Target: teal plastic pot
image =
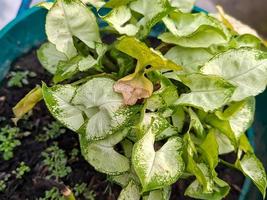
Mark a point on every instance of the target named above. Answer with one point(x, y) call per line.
point(28, 31)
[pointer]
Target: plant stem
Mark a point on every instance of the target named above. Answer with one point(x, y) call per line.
point(228, 164)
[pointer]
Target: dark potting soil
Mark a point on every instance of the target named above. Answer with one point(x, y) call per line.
point(34, 184)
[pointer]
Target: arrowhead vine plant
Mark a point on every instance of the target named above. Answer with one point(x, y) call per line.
point(155, 93)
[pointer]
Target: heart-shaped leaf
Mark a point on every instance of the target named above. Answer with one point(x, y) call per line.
point(67, 19)
point(49, 57)
point(102, 156)
point(93, 107)
point(157, 169)
point(58, 101)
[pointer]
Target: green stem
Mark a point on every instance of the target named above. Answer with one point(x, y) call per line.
point(228, 164)
point(83, 80)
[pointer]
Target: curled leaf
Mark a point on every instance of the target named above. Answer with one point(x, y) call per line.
point(134, 87)
point(145, 56)
point(27, 103)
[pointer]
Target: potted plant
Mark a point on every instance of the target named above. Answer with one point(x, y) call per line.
point(147, 111)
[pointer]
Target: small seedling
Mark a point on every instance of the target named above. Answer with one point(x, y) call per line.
point(74, 154)
point(3, 182)
point(20, 78)
point(52, 131)
point(8, 141)
point(52, 194)
point(2, 185)
point(83, 190)
point(21, 170)
point(56, 161)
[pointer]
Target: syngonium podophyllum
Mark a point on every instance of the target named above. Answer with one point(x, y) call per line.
point(174, 104)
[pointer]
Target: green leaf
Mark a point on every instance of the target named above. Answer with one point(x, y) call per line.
point(127, 147)
point(251, 166)
point(130, 192)
point(246, 69)
point(117, 3)
point(207, 92)
point(125, 63)
point(200, 170)
point(62, 25)
point(220, 190)
point(102, 156)
point(223, 126)
point(164, 97)
point(152, 172)
point(58, 101)
point(240, 115)
point(145, 56)
point(178, 118)
point(103, 108)
point(195, 123)
point(246, 40)
point(160, 126)
point(124, 179)
point(244, 144)
point(163, 194)
point(93, 107)
point(224, 144)
point(67, 69)
point(87, 63)
point(210, 149)
point(27, 103)
point(151, 14)
point(49, 57)
point(118, 19)
point(183, 5)
point(194, 30)
point(190, 58)
point(121, 17)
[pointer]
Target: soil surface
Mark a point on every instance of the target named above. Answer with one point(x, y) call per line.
point(34, 183)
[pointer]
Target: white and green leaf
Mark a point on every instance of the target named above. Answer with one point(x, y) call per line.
point(102, 106)
point(246, 69)
point(239, 115)
point(224, 144)
point(252, 167)
point(156, 123)
point(185, 6)
point(220, 190)
point(49, 57)
point(207, 92)
point(102, 156)
point(162, 194)
point(152, 172)
point(93, 108)
point(68, 19)
point(130, 192)
point(190, 58)
point(196, 30)
point(118, 18)
point(58, 100)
